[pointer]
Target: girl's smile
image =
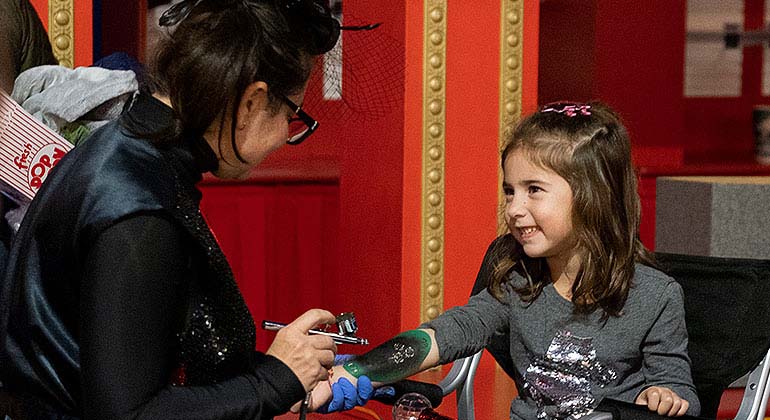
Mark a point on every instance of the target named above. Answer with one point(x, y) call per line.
point(526, 233)
point(539, 209)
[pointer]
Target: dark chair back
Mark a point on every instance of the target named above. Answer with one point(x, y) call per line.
point(727, 310)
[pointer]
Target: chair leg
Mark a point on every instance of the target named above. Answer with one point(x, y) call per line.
point(465, 407)
point(755, 397)
point(456, 376)
point(765, 392)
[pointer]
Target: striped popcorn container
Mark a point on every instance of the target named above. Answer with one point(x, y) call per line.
point(28, 150)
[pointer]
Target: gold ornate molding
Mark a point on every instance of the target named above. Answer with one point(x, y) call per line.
point(61, 30)
point(511, 33)
point(433, 191)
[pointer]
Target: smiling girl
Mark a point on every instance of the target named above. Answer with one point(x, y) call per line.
point(570, 284)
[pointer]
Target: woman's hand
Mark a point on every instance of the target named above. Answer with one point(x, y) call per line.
point(309, 356)
point(346, 396)
point(663, 401)
point(331, 395)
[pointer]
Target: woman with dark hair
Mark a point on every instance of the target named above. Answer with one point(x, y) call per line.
point(118, 302)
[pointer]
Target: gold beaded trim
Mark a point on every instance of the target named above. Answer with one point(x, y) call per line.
point(434, 100)
point(512, 12)
point(61, 30)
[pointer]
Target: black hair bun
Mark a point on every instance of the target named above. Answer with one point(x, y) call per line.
point(326, 33)
point(313, 20)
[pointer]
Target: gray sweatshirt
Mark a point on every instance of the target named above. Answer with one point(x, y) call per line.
point(567, 363)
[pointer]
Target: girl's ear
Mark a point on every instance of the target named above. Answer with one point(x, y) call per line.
point(253, 101)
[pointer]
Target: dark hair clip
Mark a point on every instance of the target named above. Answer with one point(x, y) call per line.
point(177, 12)
point(569, 109)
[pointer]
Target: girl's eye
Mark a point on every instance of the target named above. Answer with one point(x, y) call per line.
point(534, 189)
point(508, 192)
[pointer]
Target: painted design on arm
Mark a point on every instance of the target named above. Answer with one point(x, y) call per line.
point(394, 359)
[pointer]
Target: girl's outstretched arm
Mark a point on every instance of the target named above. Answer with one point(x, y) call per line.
point(460, 331)
point(400, 357)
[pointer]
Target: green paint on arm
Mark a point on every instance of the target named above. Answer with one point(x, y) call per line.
point(394, 359)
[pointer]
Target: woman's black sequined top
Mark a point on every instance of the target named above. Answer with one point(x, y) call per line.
point(118, 301)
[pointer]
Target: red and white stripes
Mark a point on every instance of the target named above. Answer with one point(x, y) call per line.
point(22, 138)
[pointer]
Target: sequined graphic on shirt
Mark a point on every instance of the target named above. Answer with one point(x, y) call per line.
point(562, 381)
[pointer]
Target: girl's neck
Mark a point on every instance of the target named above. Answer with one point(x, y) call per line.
point(563, 273)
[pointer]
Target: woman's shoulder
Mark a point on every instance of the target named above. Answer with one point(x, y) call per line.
point(110, 175)
point(110, 154)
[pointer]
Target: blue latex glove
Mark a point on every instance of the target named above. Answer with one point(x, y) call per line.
point(342, 358)
point(345, 395)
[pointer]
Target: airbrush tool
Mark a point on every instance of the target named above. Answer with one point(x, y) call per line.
point(347, 328)
point(346, 324)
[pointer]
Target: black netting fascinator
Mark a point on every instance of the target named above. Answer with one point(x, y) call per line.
point(363, 75)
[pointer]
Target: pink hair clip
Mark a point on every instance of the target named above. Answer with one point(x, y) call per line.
point(567, 108)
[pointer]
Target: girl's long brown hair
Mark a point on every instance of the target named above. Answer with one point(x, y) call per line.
point(593, 154)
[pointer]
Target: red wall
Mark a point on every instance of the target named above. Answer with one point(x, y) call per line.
point(471, 145)
point(630, 54)
point(281, 241)
point(566, 52)
point(371, 182)
point(640, 65)
point(627, 53)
